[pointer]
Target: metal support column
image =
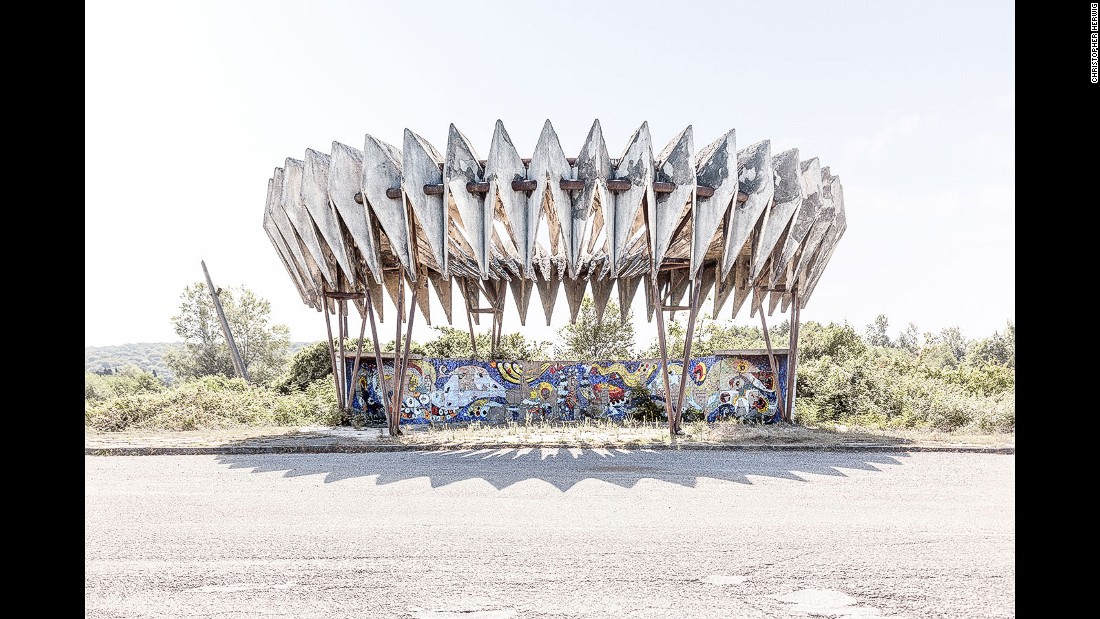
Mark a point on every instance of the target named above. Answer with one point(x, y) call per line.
point(693, 311)
point(792, 364)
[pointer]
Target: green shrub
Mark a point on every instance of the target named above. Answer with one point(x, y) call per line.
point(306, 366)
point(214, 402)
point(892, 388)
point(127, 381)
point(642, 406)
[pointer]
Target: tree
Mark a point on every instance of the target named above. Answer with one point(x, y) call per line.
point(453, 343)
point(590, 339)
point(711, 335)
point(876, 332)
point(910, 339)
point(956, 343)
point(263, 347)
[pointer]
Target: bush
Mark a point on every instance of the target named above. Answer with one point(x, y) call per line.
point(642, 407)
point(214, 402)
point(129, 380)
point(891, 388)
point(308, 365)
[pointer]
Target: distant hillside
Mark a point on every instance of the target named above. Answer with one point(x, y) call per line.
point(145, 355)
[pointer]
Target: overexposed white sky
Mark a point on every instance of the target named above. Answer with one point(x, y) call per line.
point(191, 105)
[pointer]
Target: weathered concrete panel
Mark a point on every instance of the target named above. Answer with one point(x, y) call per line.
point(382, 171)
point(716, 167)
point(345, 179)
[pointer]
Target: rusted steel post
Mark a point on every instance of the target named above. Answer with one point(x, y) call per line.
point(396, 419)
point(693, 311)
point(343, 363)
point(396, 430)
point(355, 366)
point(379, 372)
point(792, 363)
point(469, 318)
point(332, 357)
point(234, 354)
point(662, 346)
point(779, 400)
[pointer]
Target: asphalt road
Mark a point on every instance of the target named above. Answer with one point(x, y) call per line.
point(551, 533)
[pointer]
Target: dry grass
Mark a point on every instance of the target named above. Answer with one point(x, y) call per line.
point(609, 434)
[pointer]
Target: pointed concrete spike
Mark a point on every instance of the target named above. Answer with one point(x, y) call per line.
point(722, 292)
point(461, 166)
point(377, 301)
point(323, 273)
point(651, 301)
point(716, 167)
point(786, 201)
point(420, 166)
point(360, 307)
point(423, 299)
point(281, 233)
point(756, 298)
point(574, 293)
point(392, 281)
point(277, 242)
point(382, 171)
point(593, 165)
point(809, 254)
point(521, 292)
point(278, 215)
point(601, 293)
point(742, 287)
point(755, 178)
point(810, 179)
point(676, 165)
point(503, 166)
point(636, 165)
point(345, 179)
point(773, 301)
point(471, 295)
point(548, 286)
point(442, 287)
point(315, 197)
point(828, 244)
point(707, 279)
point(628, 288)
point(548, 166)
point(823, 220)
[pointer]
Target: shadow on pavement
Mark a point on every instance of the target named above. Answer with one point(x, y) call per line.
point(564, 467)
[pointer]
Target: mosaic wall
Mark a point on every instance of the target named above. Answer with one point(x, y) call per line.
point(449, 390)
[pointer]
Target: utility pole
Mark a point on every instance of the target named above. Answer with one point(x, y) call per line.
point(234, 354)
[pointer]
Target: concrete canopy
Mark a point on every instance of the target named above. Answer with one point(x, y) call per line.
point(747, 223)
